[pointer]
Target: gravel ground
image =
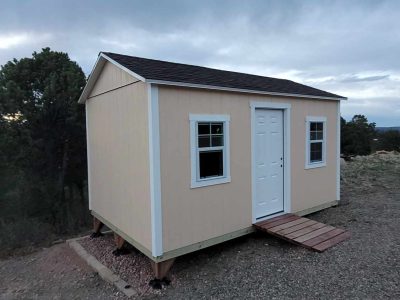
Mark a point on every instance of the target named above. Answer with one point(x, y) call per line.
point(367, 266)
point(52, 273)
point(134, 268)
point(259, 266)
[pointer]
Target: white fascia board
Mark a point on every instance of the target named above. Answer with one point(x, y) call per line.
point(98, 66)
point(212, 87)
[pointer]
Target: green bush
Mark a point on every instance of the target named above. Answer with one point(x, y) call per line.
point(23, 233)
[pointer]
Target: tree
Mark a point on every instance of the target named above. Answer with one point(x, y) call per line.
point(389, 140)
point(42, 143)
point(357, 136)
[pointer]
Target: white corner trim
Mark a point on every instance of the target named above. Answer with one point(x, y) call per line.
point(194, 164)
point(155, 177)
point(212, 87)
point(307, 164)
point(88, 157)
point(338, 133)
point(287, 166)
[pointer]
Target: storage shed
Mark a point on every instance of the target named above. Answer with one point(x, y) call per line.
point(183, 157)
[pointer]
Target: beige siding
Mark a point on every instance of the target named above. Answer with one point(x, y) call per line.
point(111, 77)
point(119, 160)
point(194, 215)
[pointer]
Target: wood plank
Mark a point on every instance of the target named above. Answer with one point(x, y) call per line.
point(323, 237)
point(331, 242)
point(279, 222)
point(313, 234)
point(304, 231)
point(297, 227)
point(273, 219)
point(289, 224)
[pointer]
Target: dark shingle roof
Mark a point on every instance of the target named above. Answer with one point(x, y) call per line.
point(152, 69)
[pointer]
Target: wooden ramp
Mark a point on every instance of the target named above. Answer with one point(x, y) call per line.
point(304, 232)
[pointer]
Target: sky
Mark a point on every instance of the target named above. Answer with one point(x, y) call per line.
point(350, 48)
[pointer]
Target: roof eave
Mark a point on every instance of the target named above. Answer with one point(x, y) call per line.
point(211, 87)
point(102, 58)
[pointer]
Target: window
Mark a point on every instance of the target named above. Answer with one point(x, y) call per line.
point(209, 149)
point(315, 142)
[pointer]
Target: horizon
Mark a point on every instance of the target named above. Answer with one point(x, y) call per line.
point(346, 48)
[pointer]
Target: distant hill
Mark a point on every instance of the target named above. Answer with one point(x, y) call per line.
point(383, 129)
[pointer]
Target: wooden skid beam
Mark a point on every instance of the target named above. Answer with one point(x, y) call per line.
point(119, 241)
point(161, 269)
point(97, 225)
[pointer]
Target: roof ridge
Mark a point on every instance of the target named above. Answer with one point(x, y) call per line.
point(197, 66)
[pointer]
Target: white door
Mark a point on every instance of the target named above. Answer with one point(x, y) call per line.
point(268, 162)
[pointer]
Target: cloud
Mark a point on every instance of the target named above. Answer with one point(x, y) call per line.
point(348, 48)
point(12, 40)
point(356, 78)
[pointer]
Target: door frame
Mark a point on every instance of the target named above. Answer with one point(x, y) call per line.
point(286, 109)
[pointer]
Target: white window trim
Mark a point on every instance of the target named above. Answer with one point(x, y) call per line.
point(195, 181)
point(308, 164)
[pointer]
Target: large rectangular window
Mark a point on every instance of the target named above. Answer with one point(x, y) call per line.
point(210, 152)
point(315, 142)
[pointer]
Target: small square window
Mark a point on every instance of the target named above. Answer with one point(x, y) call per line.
point(315, 146)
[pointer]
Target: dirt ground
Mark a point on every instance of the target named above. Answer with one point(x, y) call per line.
point(257, 266)
point(52, 273)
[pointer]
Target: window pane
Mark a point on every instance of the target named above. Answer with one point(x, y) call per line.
point(211, 164)
point(217, 140)
point(313, 126)
point(316, 152)
point(313, 135)
point(316, 126)
point(204, 141)
point(319, 135)
point(316, 135)
point(203, 128)
point(217, 128)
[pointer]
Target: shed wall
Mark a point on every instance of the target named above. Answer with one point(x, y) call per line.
point(119, 155)
point(195, 215)
point(110, 78)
